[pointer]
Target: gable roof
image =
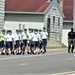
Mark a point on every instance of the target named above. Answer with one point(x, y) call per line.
point(26, 5)
point(37, 6)
point(68, 9)
point(50, 6)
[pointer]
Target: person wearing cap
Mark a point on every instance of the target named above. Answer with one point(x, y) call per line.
point(24, 40)
point(17, 42)
point(29, 42)
point(40, 41)
point(44, 36)
point(35, 39)
point(71, 39)
point(20, 33)
point(8, 41)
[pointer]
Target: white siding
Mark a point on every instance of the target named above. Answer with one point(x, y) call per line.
point(15, 25)
point(2, 4)
point(66, 28)
point(12, 21)
point(56, 31)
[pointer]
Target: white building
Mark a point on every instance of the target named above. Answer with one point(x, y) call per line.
point(2, 7)
point(21, 14)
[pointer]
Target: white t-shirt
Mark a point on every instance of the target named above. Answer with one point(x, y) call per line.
point(9, 37)
point(17, 36)
point(29, 36)
point(24, 35)
point(44, 35)
point(35, 37)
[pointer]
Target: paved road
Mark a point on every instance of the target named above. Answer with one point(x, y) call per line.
point(52, 63)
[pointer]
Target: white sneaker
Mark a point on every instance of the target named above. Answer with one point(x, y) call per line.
point(29, 51)
point(35, 52)
point(3, 51)
point(38, 50)
point(0, 52)
point(9, 52)
point(14, 51)
point(19, 51)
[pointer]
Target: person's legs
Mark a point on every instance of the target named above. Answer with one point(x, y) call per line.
point(8, 48)
point(69, 45)
point(45, 42)
point(72, 46)
point(24, 46)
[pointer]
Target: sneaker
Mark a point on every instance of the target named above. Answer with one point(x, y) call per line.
point(23, 52)
point(38, 51)
point(29, 51)
point(0, 52)
point(3, 51)
point(43, 52)
point(35, 52)
point(9, 52)
point(72, 51)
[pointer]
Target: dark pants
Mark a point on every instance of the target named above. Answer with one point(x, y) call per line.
point(70, 43)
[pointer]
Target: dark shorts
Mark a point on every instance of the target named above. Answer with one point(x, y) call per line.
point(17, 44)
point(31, 45)
point(24, 43)
point(35, 43)
point(0, 44)
point(44, 42)
point(9, 44)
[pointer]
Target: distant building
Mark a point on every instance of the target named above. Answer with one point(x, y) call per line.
point(2, 7)
point(35, 14)
point(68, 7)
point(21, 14)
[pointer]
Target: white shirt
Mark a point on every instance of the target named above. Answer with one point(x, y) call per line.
point(39, 35)
point(29, 36)
point(44, 35)
point(35, 37)
point(24, 35)
point(9, 37)
point(17, 36)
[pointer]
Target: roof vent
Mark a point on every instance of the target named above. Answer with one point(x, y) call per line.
point(48, 1)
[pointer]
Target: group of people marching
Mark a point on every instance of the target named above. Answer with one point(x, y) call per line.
point(33, 40)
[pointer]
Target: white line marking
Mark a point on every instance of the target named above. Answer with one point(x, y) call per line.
point(23, 64)
point(16, 57)
point(70, 72)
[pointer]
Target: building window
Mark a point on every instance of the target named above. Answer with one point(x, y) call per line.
point(58, 21)
point(54, 6)
point(53, 21)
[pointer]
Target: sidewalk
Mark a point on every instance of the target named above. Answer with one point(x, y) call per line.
point(51, 49)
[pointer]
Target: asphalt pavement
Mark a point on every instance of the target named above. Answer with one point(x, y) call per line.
point(53, 63)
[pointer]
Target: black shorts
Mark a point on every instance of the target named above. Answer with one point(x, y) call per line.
point(35, 43)
point(24, 43)
point(17, 44)
point(0, 44)
point(44, 42)
point(9, 44)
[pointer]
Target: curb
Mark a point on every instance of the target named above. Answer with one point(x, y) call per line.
point(56, 49)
